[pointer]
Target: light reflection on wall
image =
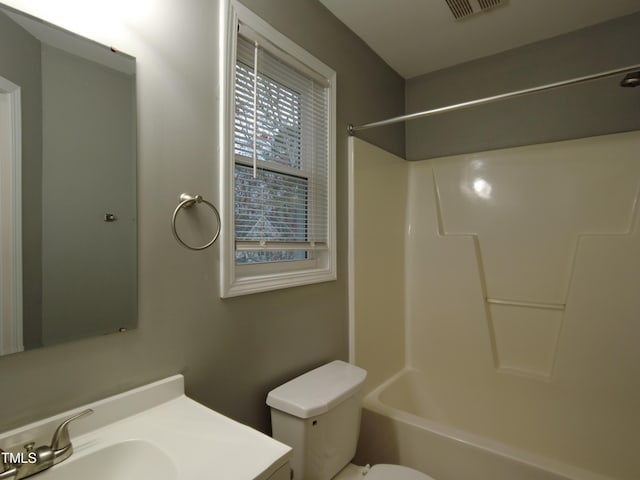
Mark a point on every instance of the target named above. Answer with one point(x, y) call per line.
point(482, 188)
point(475, 184)
point(100, 21)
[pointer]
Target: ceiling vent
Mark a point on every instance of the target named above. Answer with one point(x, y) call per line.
point(465, 8)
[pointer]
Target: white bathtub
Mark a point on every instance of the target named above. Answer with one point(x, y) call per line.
point(396, 428)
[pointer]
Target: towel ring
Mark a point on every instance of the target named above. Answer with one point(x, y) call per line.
point(187, 201)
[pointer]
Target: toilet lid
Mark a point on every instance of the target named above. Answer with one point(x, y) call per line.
point(395, 472)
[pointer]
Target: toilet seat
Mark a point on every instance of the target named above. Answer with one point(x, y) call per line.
point(382, 471)
point(395, 472)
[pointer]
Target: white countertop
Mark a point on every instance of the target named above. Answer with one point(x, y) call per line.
point(197, 442)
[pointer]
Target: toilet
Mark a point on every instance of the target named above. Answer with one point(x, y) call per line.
point(318, 415)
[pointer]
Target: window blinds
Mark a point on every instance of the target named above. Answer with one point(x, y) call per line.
point(281, 156)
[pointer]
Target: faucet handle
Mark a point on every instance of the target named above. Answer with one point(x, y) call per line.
point(7, 470)
point(61, 438)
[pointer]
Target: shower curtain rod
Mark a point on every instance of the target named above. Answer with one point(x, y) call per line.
point(482, 101)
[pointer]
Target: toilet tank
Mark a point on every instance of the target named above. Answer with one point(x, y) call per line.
point(318, 415)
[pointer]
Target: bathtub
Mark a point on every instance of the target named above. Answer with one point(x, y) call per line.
point(397, 428)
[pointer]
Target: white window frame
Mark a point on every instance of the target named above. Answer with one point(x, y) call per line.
point(247, 279)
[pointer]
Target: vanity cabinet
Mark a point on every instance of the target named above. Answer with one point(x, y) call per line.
point(283, 473)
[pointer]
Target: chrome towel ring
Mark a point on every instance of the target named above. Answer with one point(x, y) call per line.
point(187, 201)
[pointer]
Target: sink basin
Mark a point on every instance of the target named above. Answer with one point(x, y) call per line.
point(129, 460)
point(156, 432)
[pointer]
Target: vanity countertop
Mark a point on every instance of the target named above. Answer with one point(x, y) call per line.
point(158, 427)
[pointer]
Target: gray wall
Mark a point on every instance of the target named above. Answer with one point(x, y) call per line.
point(596, 108)
point(233, 351)
point(20, 63)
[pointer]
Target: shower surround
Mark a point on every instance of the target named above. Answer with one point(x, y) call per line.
point(494, 297)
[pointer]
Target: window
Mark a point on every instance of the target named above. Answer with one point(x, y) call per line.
point(278, 164)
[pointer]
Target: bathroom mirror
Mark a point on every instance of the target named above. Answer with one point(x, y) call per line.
point(68, 244)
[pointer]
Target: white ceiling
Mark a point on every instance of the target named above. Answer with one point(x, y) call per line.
point(419, 36)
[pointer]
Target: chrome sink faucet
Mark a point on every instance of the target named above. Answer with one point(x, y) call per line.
point(30, 460)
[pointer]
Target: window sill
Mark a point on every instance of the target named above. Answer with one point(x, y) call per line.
point(248, 284)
